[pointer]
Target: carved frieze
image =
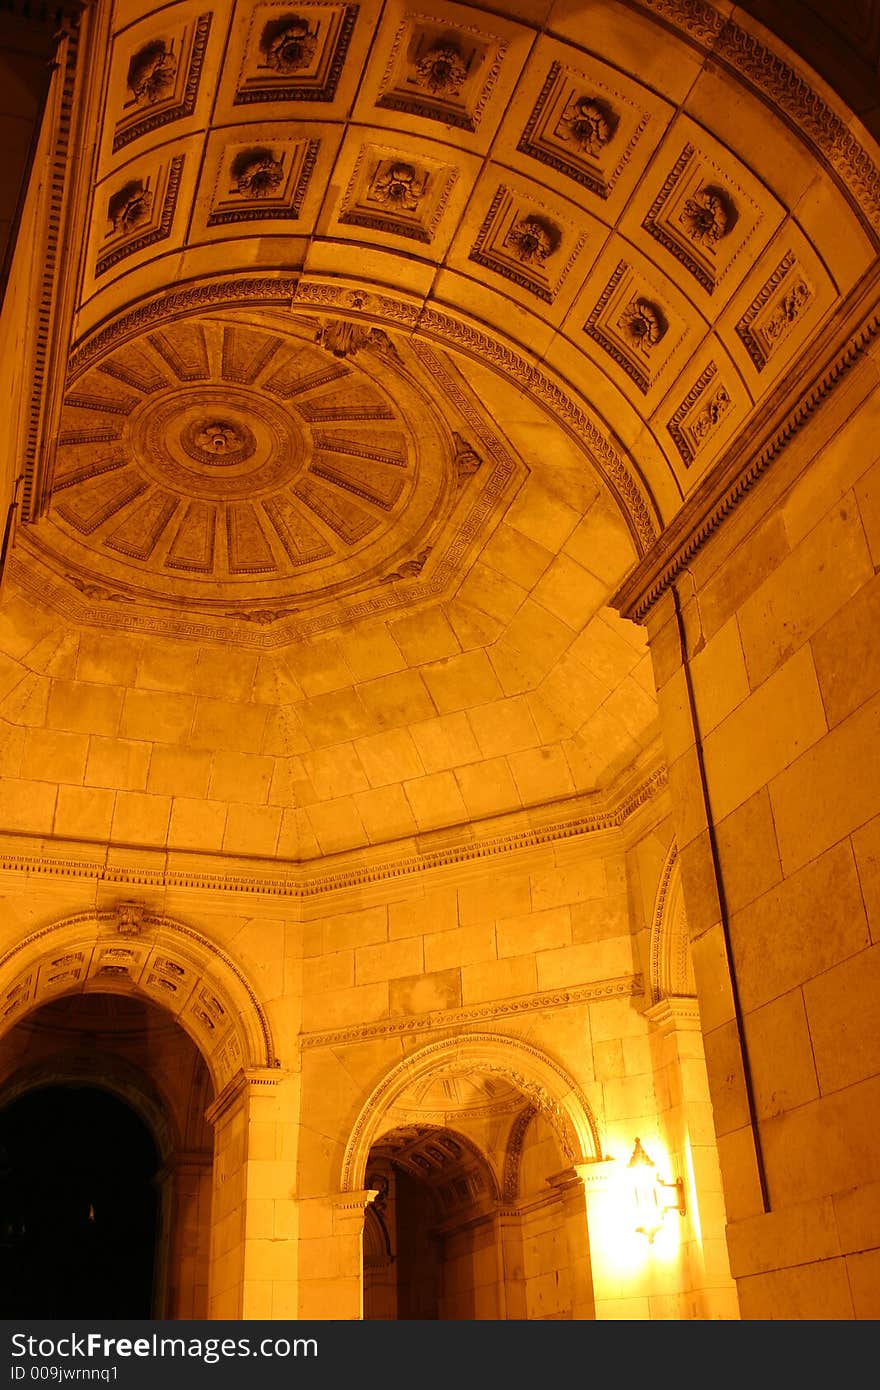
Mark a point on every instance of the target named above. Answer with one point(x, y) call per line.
point(526, 243)
point(295, 52)
point(583, 128)
point(441, 72)
point(779, 306)
point(162, 80)
point(700, 415)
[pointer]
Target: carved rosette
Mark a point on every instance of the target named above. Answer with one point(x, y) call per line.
point(227, 472)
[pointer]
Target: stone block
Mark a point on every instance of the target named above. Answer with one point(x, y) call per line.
point(570, 592)
point(811, 1292)
point(80, 708)
point(196, 823)
point(156, 716)
point(178, 771)
point(833, 789)
point(332, 971)
point(503, 726)
point(336, 824)
point(228, 724)
point(541, 774)
point(445, 742)
point(371, 652)
point(435, 800)
point(536, 931)
point(719, 677)
point(498, 979)
point(581, 965)
point(436, 991)
point(51, 756)
point(843, 1013)
point(488, 898)
point(243, 777)
point(765, 734)
point(512, 554)
point(781, 1062)
point(847, 654)
point(386, 814)
point(447, 950)
point(141, 819)
point(602, 543)
point(83, 813)
point(460, 682)
point(488, 788)
point(529, 649)
point(748, 852)
point(252, 829)
point(396, 701)
point(772, 953)
point(492, 593)
point(335, 771)
point(424, 637)
point(423, 915)
point(867, 493)
point(335, 717)
point(389, 757)
point(388, 960)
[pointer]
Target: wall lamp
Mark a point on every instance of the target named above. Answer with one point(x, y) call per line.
point(648, 1199)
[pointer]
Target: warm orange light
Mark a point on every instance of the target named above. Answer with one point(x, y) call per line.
point(649, 1209)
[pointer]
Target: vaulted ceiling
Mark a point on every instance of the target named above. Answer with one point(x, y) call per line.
point(389, 309)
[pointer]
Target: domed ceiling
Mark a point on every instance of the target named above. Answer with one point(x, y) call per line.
point(300, 233)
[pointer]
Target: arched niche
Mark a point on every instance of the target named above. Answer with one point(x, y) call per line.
point(671, 964)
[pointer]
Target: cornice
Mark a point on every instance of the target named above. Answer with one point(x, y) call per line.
point(576, 818)
point(839, 348)
point(621, 987)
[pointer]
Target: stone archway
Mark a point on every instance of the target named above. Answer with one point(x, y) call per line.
point(496, 1138)
point(133, 953)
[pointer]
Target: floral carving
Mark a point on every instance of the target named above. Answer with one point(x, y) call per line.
point(346, 339)
point(589, 123)
point(218, 437)
point(442, 70)
point(256, 173)
point(288, 44)
point(533, 239)
point(151, 72)
point(788, 309)
point(130, 206)
point(400, 185)
point(410, 569)
point(467, 461)
point(643, 323)
point(708, 216)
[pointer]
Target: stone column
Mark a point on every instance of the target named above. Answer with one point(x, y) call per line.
point(254, 1214)
point(331, 1255)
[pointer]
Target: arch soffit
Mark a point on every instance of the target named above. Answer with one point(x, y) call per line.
point(671, 967)
point(130, 949)
point(107, 1073)
point(542, 1081)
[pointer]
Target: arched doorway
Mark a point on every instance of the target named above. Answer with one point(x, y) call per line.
point(78, 1206)
point(474, 1150)
point(146, 1008)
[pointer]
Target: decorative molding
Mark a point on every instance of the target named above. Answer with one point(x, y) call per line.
point(513, 1153)
point(629, 323)
point(583, 130)
point(438, 1020)
point(775, 311)
point(441, 73)
point(732, 479)
point(398, 194)
point(178, 303)
point(161, 70)
point(140, 207)
point(521, 241)
point(539, 1077)
point(289, 60)
point(788, 95)
point(299, 879)
point(700, 413)
point(166, 960)
point(263, 182)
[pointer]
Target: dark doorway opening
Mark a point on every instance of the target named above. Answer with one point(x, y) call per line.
point(78, 1206)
